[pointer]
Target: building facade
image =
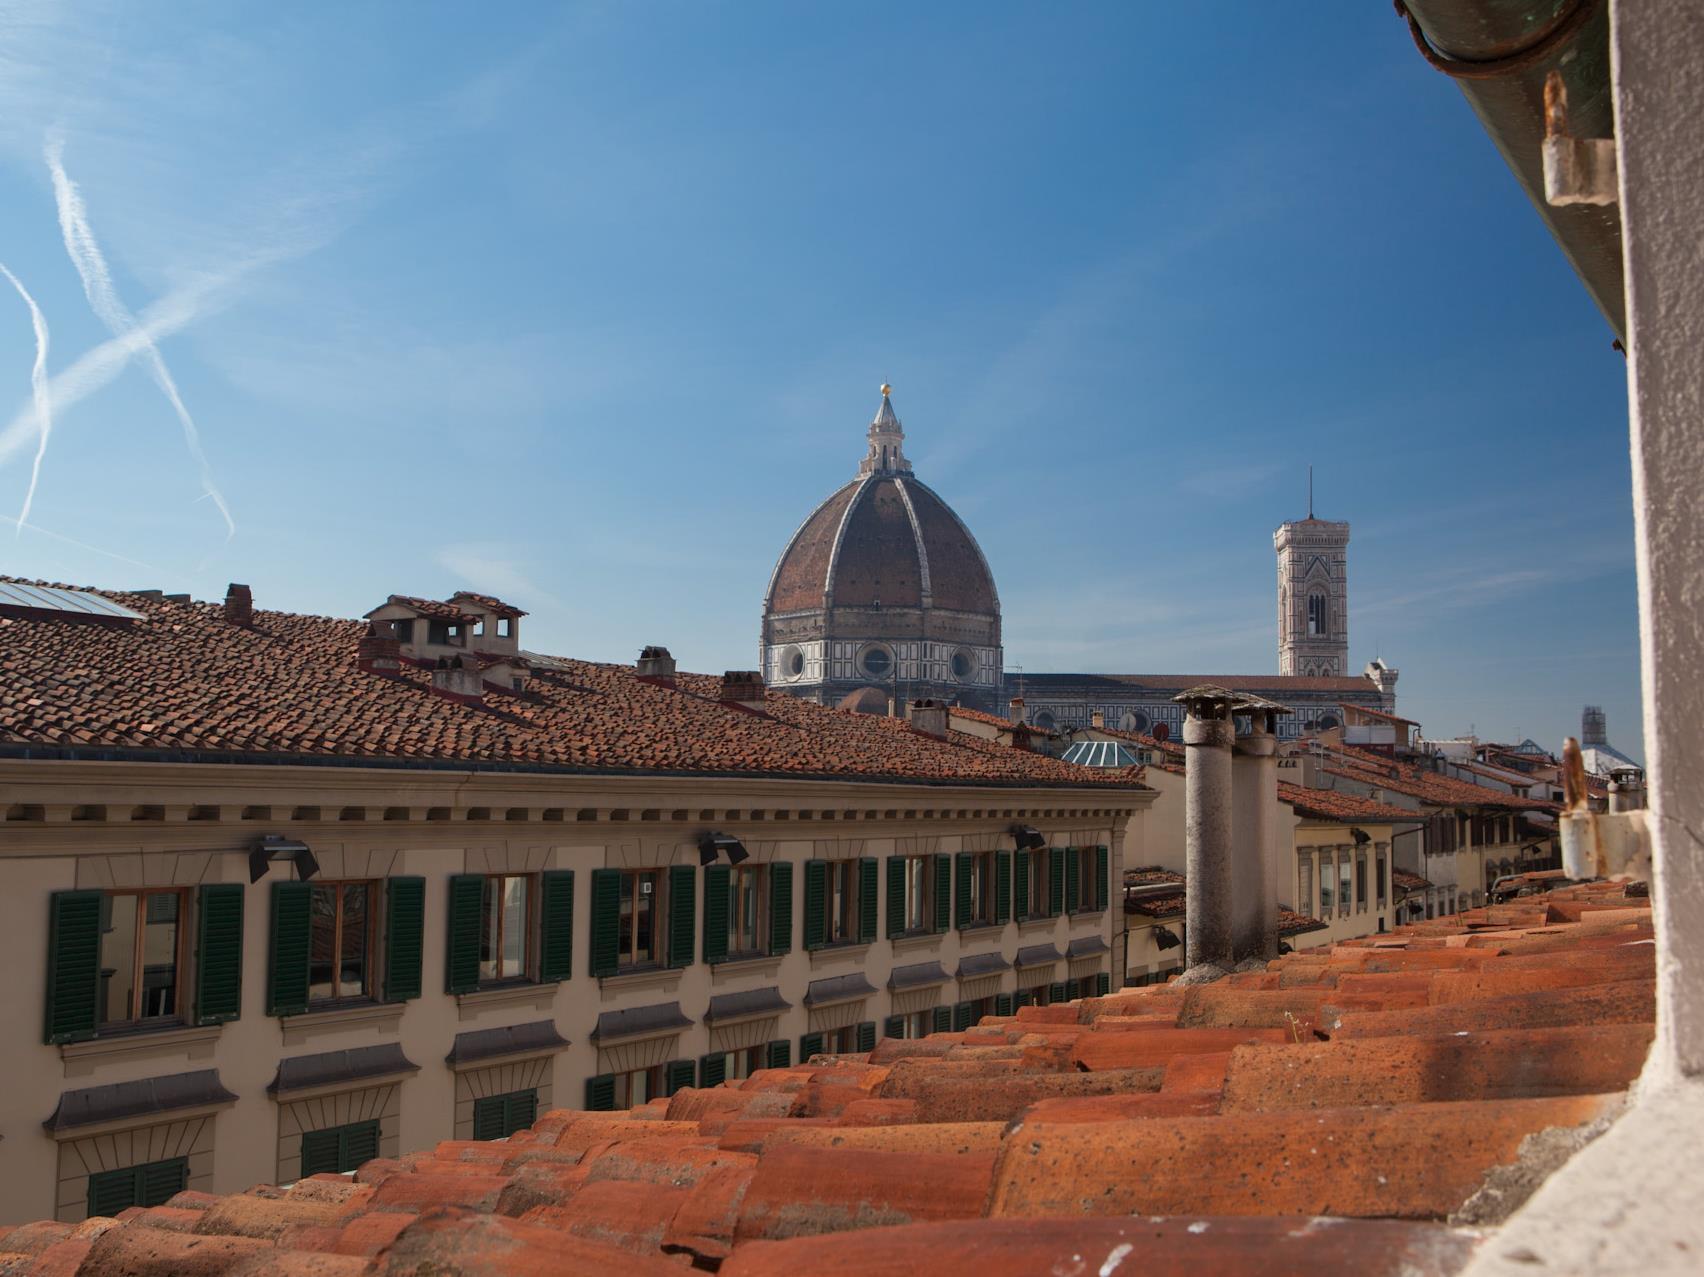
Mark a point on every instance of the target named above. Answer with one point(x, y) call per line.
point(883, 595)
point(350, 903)
point(1313, 597)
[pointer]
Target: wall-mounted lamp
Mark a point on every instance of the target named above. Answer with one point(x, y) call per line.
point(275, 847)
point(712, 844)
point(1361, 837)
point(1027, 838)
point(1166, 938)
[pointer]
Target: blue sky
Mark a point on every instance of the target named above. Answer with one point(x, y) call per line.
point(587, 306)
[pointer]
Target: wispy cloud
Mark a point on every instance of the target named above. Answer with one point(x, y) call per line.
point(39, 392)
point(86, 256)
point(494, 569)
point(38, 530)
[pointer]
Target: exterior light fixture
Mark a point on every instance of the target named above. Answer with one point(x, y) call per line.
point(1166, 938)
point(275, 847)
point(1027, 838)
point(1361, 837)
point(711, 845)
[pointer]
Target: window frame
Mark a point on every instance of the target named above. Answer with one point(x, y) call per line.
point(656, 1082)
point(984, 890)
point(529, 929)
point(756, 943)
point(369, 966)
point(135, 1022)
point(919, 896)
point(138, 1174)
point(1041, 883)
point(627, 926)
point(507, 1099)
point(840, 906)
point(1320, 626)
point(345, 1161)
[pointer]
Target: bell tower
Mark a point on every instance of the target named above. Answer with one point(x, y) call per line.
point(1313, 595)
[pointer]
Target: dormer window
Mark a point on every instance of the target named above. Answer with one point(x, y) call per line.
point(445, 633)
point(404, 629)
point(505, 627)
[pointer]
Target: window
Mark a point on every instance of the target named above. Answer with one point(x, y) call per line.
point(1327, 885)
point(641, 911)
point(732, 1066)
point(917, 909)
point(877, 662)
point(1345, 878)
point(1383, 877)
point(1084, 874)
point(1040, 874)
point(404, 630)
point(748, 912)
point(150, 1184)
point(1304, 886)
point(1317, 627)
point(977, 889)
point(340, 941)
point(962, 665)
point(444, 633)
point(916, 1025)
point(1360, 882)
point(793, 662)
point(504, 928)
point(842, 902)
point(505, 627)
point(141, 956)
point(496, 1117)
point(339, 1149)
point(635, 1088)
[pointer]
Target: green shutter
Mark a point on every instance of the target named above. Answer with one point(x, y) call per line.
point(112, 1191)
point(895, 896)
point(1073, 990)
point(287, 980)
point(360, 1145)
point(1073, 879)
point(964, 864)
point(1103, 983)
point(943, 893)
point(73, 966)
point(1003, 1004)
point(466, 918)
point(606, 922)
point(713, 1069)
point(162, 1181)
point(942, 1020)
point(1103, 877)
point(816, 903)
point(717, 899)
point(867, 1036)
point(219, 953)
point(488, 1117)
point(1020, 885)
point(320, 1153)
point(405, 937)
point(780, 1054)
point(963, 1016)
point(1002, 886)
point(600, 1093)
point(810, 1044)
point(781, 907)
point(893, 1026)
point(1055, 993)
point(866, 899)
point(683, 913)
point(1023, 998)
point(676, 1074)
point(1056, 858)
point(556, 925)
point(520, 1110)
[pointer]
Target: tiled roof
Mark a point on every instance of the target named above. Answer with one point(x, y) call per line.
point(992, 720)
point(1377, 713)
point(183, 683)
point(1171, 904)
point(1409, 881)
point(490, 603)
point(425, 607)
point(1419, 782)
point(1335, 805)
point(1275, 683)
point(1326, 1115)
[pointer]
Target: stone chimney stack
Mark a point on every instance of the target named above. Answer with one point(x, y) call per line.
point(459, 679)
point(1097, 718)
point(1626, 789)
point(928, 717)
point(1208, 736)
point(655, 665)
point(239, 605)
point(1015, 710)
point(1254, 832)
point(379, 651)
point(742, 687)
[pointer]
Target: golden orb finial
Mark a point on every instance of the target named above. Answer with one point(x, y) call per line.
point(886, 390)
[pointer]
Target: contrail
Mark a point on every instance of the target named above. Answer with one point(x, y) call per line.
point(91, 266)
point(81, 545)
point(38, 390)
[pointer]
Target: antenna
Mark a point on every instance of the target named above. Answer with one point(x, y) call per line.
point(1310, 489)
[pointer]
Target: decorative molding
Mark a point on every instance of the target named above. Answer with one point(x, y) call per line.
point(192, 1043)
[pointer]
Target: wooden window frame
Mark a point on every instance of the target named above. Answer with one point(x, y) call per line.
point(656, 1080)
point(840, 908)
point(983, 889)
point(529, 925)
point(627, 929)
point(919, 895)
point(1041, 882)
point(138, 943)
point(369, 970)
point(756, 942)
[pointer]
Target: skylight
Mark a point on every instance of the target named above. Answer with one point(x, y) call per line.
point(46, 602)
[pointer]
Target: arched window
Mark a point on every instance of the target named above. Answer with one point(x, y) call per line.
point(1317, 627)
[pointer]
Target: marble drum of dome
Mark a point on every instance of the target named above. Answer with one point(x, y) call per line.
point(883, 594)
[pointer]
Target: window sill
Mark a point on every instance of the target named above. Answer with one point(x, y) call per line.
point(842, 949)
point(642, 978)
point(194, 1042)
point(981, 928)
point(916, 940)
point(1038, 924)
point(746, 964)
point(1086, 913)
point(382, 1016)
point(469, 1005)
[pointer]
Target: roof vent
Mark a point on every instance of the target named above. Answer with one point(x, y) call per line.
point(379, 651)
point(239, 605)
point(742, 687)
point(1097, 719)
point(1015, 710)
point(928, 716)
point(656, 665)
point(459, 679)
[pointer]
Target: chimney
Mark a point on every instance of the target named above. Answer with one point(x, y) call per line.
point(655, 665)
point(239, 605)
point(1208, 735)
point(928, 717)
point(459, 679)
point(742, 687)
point(379, 652)
point(1254, 832)
point(1015, 710)
point(1097, 719)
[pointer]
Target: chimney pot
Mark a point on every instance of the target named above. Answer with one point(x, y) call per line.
point(1097, 719)
point(379, 651)
point(656, 665)
point(239, 605)
point(1015, 710)
point(928, 716)
point(459, 679)
point(742, 687)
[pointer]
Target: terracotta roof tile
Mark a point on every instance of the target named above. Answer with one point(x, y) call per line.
point(1201, 1128)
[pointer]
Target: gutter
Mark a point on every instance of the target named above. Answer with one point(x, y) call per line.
point(1499, 52)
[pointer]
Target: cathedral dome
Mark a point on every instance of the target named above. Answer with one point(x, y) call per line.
point(883, 584)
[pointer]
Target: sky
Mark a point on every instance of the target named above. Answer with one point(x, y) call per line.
point(587, 306)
